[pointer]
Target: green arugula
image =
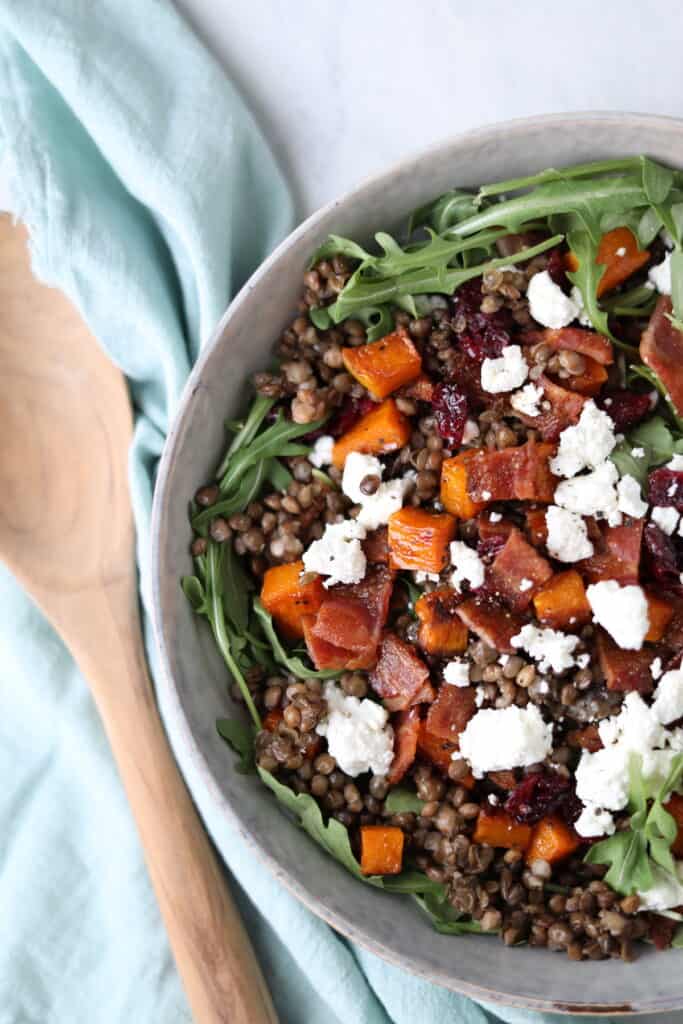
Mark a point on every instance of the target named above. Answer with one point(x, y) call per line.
point(240, 736)
point(632, 853)
point(639, 370)
point(292, 664)
point(444, 918)
point(402, 800)
point(443, 213)
point(657, 442)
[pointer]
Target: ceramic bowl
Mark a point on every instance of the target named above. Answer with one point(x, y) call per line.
point(194, 679)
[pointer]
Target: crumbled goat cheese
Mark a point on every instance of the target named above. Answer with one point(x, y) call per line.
point(656, 668)
point(548, 304)
point(567, 536)
point(586, 445)
point(666, 890)
point(457, 672)
point(552, 649)
point(506, 373)
point(467, 565)
point(486, 495)
point(479, 696)
point(660, 276)
point(498, 739)
point(622, 611)
point(602, 778)
point(638, 453)
point(583, 317)
point(593, 494)
point(630, 501)
point(665, 517)
point(321, 452)
point(495, 517)
point(526, 401)
point(594, 822)
point(358, 736)
point(338, 554)
point(470, 432)
point(668, 703)
point(426, 577)
point(676, 463)
point(525, 584)
point(387, 499)
point(583, 660)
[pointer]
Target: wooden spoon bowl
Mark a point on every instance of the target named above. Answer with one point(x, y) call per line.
point(67, 534)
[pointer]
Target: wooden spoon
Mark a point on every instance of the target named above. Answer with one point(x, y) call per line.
point(66, 533)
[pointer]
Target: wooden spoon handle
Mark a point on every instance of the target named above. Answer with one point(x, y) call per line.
point(212, 950)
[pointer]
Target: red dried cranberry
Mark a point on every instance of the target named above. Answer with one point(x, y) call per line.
point(540, 794)
point(348, 415)
point(665, 487)
point(557, 269)
point(450, 413)
point(662, 559)
point(625, 407)
point(484, 335)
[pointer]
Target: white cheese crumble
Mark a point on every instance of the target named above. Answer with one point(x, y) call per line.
point(506, 373)
point(594, 822)
point(338, 554)
point(497, 739)
point(470, 432)
point(583, 660)
point(668, 703)
point(526, 401)
point(495, 517)
point(548, 304)
point(321, 452)
point(486, 495)
point(656, 668)
point(583, 316)
point(622, 611)
point(387, 499)
point(665, 517)
point(525, 584)
point(630, 501)
point(585, 445)
point(552, 649)
point(567, 536)
point(467, 566)
point(660, 276)
point(593, 494)
point(638, 453)
point(666, 891)
point(358, 736)
point(676, 463)
point(479, 696)
point(457, 672)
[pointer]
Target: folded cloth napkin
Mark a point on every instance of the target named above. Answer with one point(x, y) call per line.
point(150, 196)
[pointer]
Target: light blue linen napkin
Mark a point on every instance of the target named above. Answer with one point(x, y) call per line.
point(150, 196)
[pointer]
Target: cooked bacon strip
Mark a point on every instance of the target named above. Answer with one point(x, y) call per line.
point(406, 729)
point(451, 711)
point(515, 567)
point(617, 554)
point(422, 389)
point(488, 528)
point(587, 738)
point(505, 779)
point(400, 678)
point(578, 339)
point(522, 473)
point(492, 623)
point(661, 348)
point(560, 408)
point(350, 622)
point(625, 670)
point(376, 546)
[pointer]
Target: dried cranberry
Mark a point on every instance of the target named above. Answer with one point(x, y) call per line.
point(480, 335)
point(557, 269)
point(348, 415)
point(450, 413)
point(540, 794)
point(665, 487)
point(662, 557)
point(625, 407)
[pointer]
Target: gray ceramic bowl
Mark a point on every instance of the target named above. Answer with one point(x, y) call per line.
point(389, 926)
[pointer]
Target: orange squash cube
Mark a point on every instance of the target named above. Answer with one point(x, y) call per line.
point(288, 600)
point(384, 429)
point(454, 494)
point(385, 365)
point(419, 539)
point(499, 829)
point(562, 602)
point(381, 850)
point(552, 840)
point(441, 631)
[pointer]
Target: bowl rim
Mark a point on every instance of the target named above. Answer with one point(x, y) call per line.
point(165, 685)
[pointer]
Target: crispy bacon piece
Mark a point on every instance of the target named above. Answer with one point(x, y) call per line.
point(536, 527)
point(422, 389)
point(349, 622)
point(560, 408)
point(489, 529)
point(587, 738)
point(504, 779)
point(522, 473)
point(450, 712)
point(400, 678)
point(616, 555)
point(406, 730)
point(625, 670)
point(578, 339)
point(661, 348)
point(673, 635)
point(376, 546)
point(492, 623)
point(517, 572)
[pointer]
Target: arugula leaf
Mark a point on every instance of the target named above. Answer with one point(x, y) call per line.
point(657, 180)
point(596, 167)
point(239, 736)
point(293, 664)
point(444, 918)
point(628, 465)
point(278, 475)
point(652, 378)
point(274, 442)
point(378, 320)
point(334, 838)
point(260, 408)
point(414, 592)
point(248, 489)
point(401, 800)
point(193, 589)
point(656, 437)
point(444, 212)
point(587, 278)
point(235, 587)
point(336, 245)
point(320, 317)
